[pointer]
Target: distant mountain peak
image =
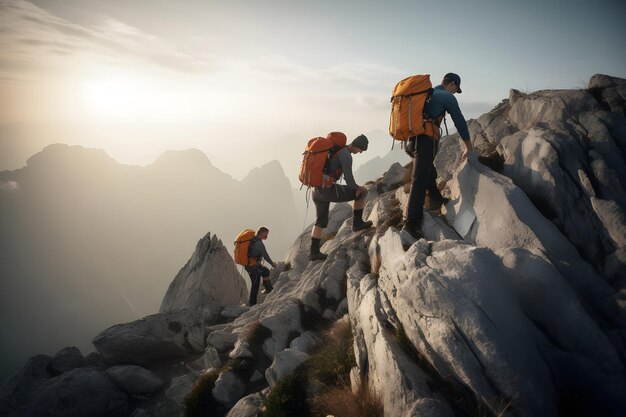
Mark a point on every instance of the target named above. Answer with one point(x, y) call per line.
point(272, 169)
point(191, 157)
point(63, 154)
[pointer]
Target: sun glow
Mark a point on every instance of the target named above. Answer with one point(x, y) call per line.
point(116, 97)
point(145, 97)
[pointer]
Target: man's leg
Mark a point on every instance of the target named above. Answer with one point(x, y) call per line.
point(255, 278)
point(422, 172)
point(267, 284)
point(435, 199)
point(321, 211)
point(357, 215)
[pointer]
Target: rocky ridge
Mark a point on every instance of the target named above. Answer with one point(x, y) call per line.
point(514, 304)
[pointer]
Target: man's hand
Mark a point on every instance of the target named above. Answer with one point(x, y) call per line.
point(468, 149)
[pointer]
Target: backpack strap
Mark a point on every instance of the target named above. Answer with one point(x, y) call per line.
point(254, 240)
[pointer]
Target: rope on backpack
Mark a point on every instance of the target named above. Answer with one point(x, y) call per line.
point(307, 197)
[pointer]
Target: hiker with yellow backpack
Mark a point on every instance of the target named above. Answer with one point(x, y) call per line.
point(416, 114)
point(325, 161)
point(250, 252)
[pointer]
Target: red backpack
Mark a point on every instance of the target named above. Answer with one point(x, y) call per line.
point(318, 152)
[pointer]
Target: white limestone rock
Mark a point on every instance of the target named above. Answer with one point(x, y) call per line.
point(504, 217)
point(229, 388)
point(306, 342)
point(281, 324)
point(395, 379)
point(232, 312)
point(284, 363)
point(210, 359)
point(459, 316)
point(222, 339)
point(207, 283)
point(241, 350)
point(395, 176)
point(248, 406)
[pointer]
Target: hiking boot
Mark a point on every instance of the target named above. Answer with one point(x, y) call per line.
point(361, 225)
point(434, 204)
point(267, 287)
point(414, 230)
point(318, 256)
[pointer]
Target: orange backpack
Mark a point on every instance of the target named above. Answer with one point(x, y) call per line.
point(407, 108)
point(318, 152)
point(242, 245)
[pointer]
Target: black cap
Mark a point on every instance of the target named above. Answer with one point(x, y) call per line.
point(454, 77)
point(360, 142)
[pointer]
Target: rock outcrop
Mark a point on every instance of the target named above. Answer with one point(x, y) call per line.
point(207, 283)
point(514, 303)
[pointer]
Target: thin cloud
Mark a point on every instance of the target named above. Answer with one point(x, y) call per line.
point(30, 34)
point(8, 186)
point(281, 67)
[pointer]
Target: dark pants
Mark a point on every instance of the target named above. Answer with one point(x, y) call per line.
point(424, 178)
point(336, 193)
point(256, 272)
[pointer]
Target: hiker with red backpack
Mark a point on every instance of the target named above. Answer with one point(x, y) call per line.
point(417, 112)
point(325, 161)
point(250, 252)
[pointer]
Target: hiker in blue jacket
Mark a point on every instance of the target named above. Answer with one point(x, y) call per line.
point(257, 251)
point(423, 148)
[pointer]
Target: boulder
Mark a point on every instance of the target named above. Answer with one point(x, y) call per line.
point(180, 386)
point(134, 379)
point(66, 360)
point(395, 176)
point(284, 363)
point(78, 393)
point(306, 342)
point(248, 406)
point(161, 336)
point(229, 388)
point(210, 359)
point(18, 388)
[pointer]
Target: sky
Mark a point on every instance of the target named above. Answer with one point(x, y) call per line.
point(250, 81)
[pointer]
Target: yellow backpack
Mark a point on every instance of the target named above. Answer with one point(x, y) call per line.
point(242, 245)
point(407, 107)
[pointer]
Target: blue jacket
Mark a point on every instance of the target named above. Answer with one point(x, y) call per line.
point(444, 101)
point(257, 250)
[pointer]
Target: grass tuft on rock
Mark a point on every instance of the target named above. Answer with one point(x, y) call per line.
point(320, 387)
point(200, 401)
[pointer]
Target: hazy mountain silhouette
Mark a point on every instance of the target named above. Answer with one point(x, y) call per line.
point(377, 166)
point(87, 242)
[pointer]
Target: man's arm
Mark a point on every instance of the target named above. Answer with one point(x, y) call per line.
point(263, 252)
point(452, 106)
point(345, 160)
